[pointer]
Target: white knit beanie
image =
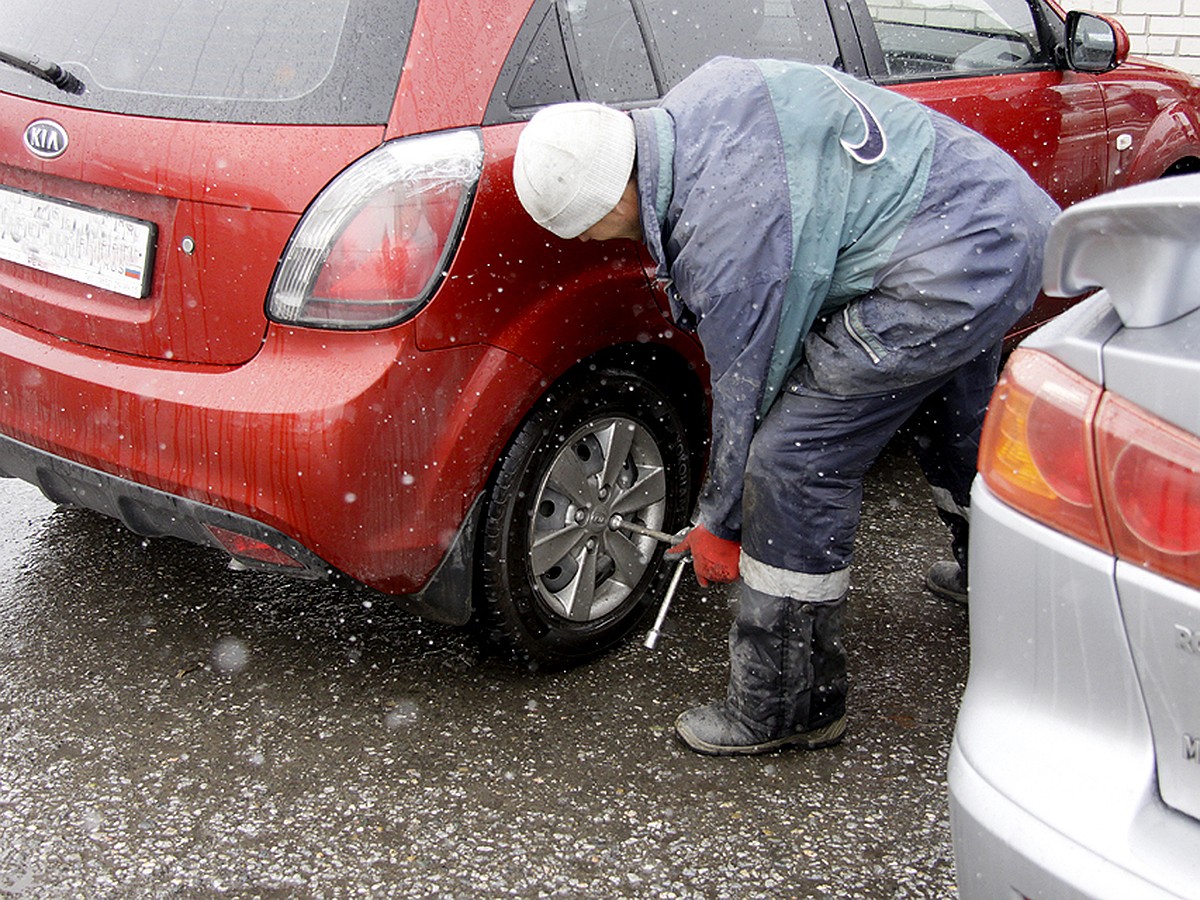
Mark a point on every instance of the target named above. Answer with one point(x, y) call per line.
point(572, 163)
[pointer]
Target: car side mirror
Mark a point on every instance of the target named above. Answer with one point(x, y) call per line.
point(1095, 43)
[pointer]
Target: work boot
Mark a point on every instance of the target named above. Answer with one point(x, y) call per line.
point(946, 579)
point(787, 680)
point(713, 730)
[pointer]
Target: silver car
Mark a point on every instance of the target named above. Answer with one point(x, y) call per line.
point(1075, 767)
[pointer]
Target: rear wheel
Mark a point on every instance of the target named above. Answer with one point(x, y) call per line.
point(563, 581)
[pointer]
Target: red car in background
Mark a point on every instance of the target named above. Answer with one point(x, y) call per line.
point(265, 285)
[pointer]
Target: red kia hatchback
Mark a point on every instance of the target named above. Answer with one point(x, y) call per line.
point(265, 285)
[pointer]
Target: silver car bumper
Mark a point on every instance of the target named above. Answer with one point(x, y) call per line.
point(1052, 778)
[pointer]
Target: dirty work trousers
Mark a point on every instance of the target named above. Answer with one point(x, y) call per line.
point(801, 507)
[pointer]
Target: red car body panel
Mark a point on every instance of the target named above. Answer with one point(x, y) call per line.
point(1053, 123)
point(453, 57)
point(315, 424)
point(213, 182)
point(569, 299)
point(1157, 108)
point(1077, 134)
point(371, 449)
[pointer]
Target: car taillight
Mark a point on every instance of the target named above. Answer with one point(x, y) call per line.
point(1091, 464)
point(374, 245)
point(1037, 453)
point(1151, 489)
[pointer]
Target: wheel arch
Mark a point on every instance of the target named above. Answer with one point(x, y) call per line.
point(1170, 146)
point(682, 380)
point(1185, 166)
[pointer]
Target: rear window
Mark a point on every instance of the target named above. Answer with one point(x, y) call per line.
point(309, 62)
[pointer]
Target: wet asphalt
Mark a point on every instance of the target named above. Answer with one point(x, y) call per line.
point(169, 728)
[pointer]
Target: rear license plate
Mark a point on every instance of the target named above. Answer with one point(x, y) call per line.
point(87, 245)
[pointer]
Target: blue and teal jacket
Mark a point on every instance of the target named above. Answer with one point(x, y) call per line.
point(773, 193)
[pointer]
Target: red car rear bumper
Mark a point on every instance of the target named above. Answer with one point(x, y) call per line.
point(351, 451)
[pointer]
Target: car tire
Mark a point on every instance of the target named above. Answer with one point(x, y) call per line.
point(561, 582)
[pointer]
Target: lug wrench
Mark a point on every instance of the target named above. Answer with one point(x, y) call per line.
point(653, 633)
point(663, 538)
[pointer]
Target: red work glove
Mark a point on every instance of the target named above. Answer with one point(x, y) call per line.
point(714, 559)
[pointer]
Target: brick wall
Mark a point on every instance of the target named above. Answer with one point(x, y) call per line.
point(1163, 30)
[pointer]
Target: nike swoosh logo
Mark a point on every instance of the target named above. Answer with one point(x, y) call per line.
point(873, 146)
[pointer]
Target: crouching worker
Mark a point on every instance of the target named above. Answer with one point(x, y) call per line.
point(850, 261)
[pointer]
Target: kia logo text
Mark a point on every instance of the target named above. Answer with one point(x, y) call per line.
point(46, 139)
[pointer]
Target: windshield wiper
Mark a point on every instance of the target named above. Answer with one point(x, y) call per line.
point(55, 74)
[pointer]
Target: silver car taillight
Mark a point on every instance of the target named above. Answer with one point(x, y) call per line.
point(1089, 463)
point(374, 245)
